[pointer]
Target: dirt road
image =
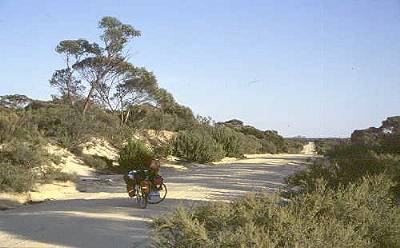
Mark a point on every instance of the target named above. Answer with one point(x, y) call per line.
point(104, 217)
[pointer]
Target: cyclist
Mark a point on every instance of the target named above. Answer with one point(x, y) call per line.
point(134, 177)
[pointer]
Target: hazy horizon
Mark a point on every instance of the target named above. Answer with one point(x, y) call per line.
point(307, 68)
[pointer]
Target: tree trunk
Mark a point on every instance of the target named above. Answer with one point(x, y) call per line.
point(69, 83)
point(88, 98)
point(126, 116)
point(94, 86)
point(69, 93)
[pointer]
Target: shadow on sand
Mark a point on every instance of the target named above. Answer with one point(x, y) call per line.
point(115, 222)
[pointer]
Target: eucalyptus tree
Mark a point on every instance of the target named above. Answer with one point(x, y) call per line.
point(66, 80)
point(110, 65)
point(139, 87)
point(101, 72)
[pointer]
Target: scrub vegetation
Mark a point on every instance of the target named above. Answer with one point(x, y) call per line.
point(349, 198)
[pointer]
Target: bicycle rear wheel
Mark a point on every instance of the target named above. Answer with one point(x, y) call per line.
point(163, 193)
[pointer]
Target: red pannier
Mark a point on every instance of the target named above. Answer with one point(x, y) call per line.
point(158, 180)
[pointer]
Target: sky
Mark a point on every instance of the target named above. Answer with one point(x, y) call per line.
point(311, 68)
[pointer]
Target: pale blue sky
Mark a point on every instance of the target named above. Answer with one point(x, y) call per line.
point(314, 68)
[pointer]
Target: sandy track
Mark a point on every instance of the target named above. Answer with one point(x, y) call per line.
point(309, 149)
point(104, 217)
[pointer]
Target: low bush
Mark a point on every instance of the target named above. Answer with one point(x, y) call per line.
point(24, 164)
point(268, 147)
point(162, 150)
point(207, 144)
point(174, 117)
point(347, 164)
point(65, 125)
point(251, 145)
point(134, 155)
point(361, 215)
point(69, 128)
point(271, 141)
point(8, 125)
point(15, 178)
point(391, 143)
point(99, 163)
point(232, 142)
point(18, 126)
point(324, 145)
point(197, 145)
point(24, 155)
point(295, 146)
point(49, 174)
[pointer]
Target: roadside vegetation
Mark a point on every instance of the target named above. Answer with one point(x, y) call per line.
point(350, 198)
point(323, 145)
point(24, 164)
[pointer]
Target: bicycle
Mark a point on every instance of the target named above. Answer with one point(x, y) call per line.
point(150, 192)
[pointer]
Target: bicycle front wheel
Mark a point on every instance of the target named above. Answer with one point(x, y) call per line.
point(141, 198)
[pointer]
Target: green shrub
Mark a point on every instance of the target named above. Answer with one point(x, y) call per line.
point(232, 142)
point(24, 155)
point(15, 178)
point(96, 162)
point(18, 126)
point(207, 144)
point(197, 145)
point(295, 146)
point(135, 155)
point(324, 145)
point(308, 178)
point(271, 141)
point(49, 174)
point(347, 164)
point(391, 143)
point(23, 164)
point(63, 124)
point(162, 150)
point(8, 125)
point(69, 128)
point(251, 145)
point(268, 147)
point(361, 215)
point(276, 139)
point(173, 118)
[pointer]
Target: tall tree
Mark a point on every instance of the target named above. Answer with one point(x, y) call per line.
point(64, 79)
point(99, 69)
point(140, 87)
point(111, 63)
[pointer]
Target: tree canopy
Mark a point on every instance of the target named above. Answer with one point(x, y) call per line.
point(101, 73)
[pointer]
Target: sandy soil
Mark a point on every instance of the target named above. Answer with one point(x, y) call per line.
point(309, 149)
point(100, 214)
point(101, 148)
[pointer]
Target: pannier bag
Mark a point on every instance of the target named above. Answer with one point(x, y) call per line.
point(158, 180)
point(132, 174)
point(145, 185)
